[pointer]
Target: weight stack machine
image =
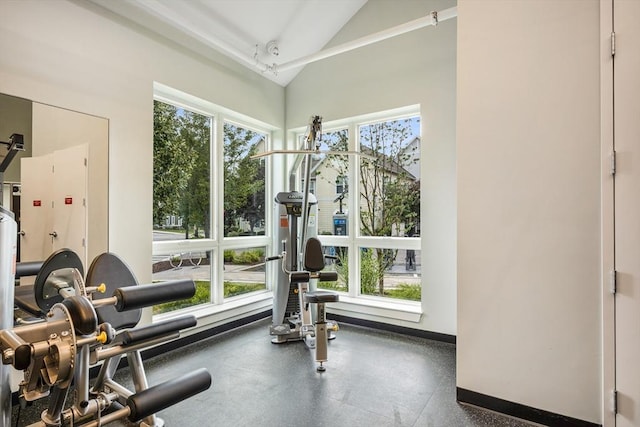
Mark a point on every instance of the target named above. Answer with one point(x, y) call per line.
point(287, 312)
point(8, 238)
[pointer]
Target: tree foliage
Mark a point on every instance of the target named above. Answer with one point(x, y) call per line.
point(181, 141)
point(194, 204)
point(244, 178)
point(181, 174)
point(169, 161)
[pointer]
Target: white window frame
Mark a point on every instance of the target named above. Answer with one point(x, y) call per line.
point(353, 300)
point(217, 243)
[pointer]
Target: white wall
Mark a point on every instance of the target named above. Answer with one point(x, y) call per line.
point(528, 152)
point(63, 53)
point(415, 68)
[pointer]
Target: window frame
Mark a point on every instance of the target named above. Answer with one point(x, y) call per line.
point(217, 243)
point(354, 300)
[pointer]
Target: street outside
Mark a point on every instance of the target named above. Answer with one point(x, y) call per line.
point(185, 268)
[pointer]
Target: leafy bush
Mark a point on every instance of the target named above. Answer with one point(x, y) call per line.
point(253, 256)
point(229, 255)
point(368, 272)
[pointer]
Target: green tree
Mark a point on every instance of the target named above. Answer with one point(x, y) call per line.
point(243, 177)
point(388, 193)
point(195, 130)
point(171, 162)
point(181, 151)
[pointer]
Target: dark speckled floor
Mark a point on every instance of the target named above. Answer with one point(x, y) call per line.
point(373, 378)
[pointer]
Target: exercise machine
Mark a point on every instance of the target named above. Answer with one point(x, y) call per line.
point(8, 254)
point(8, 230)
point(298, 306)
point(88, 323)
point(53, 281)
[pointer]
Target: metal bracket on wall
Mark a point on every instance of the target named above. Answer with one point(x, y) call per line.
point(613, 281)
point(613, 163)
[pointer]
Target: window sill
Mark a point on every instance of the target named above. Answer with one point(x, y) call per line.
point(209, 314)
point(399, 310)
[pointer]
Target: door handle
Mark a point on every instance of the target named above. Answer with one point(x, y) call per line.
point(53, 234)
point(21, 233)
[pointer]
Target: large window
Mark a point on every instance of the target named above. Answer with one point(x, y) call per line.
point(381, 186)
point(328, 181)
point(244, 181)
point(389, 175)
point(209, 211)
point(181, 171)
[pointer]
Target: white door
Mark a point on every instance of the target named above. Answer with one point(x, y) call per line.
point(54, 204)
point(627, 210)
point(36, 177)
point(69, 226)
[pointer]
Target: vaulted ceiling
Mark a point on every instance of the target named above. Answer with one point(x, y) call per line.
point(267, 36)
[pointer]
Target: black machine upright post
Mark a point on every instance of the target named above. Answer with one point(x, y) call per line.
point(15, 144)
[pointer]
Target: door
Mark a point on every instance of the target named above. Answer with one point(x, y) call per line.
point(54, 215)
point(36, 212)
point(69, 225)
point(627, 210)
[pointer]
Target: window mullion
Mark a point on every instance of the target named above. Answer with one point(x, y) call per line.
point(217, 285)
point(354, 210)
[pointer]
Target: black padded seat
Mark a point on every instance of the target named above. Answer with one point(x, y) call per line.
point(25, 299)
point(319, 297)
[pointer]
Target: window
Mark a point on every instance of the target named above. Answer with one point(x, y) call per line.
point(382, 187)
point(341, 185)
point(216, 238)
point(389, 178)
point(244, 271)
point(337, 260)
point(312, 186)
point(181, 168)
point(186, 265)
point(244, 181)
point(328, 180)
point(390, 272)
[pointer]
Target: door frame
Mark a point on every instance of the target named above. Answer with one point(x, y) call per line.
point(607, 215)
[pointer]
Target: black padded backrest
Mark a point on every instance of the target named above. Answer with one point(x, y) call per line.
point(313, 256)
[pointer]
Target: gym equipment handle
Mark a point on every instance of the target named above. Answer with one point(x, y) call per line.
point(28, 268)
point(132, 336)
point(305, 276)
point(299, 277)
point(22, 357)
point(169, 393)
point(134, 297)
point(328, 276)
